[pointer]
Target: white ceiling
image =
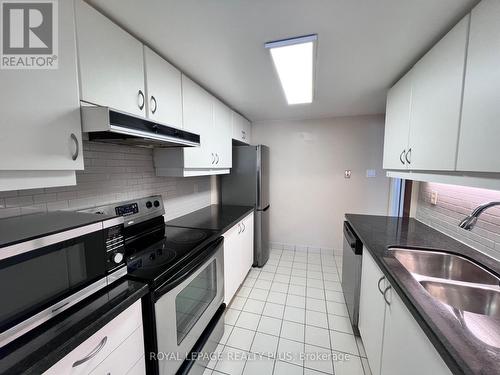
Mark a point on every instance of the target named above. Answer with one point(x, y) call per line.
point(364, 46)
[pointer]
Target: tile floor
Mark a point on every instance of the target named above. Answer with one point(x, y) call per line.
point(290, 318)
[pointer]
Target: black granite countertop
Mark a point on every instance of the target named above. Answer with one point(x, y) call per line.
point(44, 346)
point(214, 217)
point(464, 349)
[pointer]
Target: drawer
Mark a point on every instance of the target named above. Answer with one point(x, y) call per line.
point(139, 368)
point(108, 338)
point(123, 358)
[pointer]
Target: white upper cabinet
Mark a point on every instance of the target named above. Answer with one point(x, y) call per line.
point(163, 90)
point(203, 114)
point(221, 135)
point(436, 102)
point(242, 130)
point(397, 123)
point(111, 63)
point(198, 118)
point(40, 136)
point(424, 108)
point(478, 149)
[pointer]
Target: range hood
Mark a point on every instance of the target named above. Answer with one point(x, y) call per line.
point(104, 124)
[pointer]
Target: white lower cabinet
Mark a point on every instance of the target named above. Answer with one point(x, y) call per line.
point(407, 350)
point(116, 348)
point(394, 342)
point(372, 311)
point(238, 255)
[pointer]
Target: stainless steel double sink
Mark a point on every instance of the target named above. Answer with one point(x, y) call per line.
point(453, 280)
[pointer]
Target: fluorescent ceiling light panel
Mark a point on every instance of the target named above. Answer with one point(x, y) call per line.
point(294, 62)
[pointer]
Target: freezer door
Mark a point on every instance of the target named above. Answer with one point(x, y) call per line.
point(261, 240)
point(240, 186)
point(262, 177)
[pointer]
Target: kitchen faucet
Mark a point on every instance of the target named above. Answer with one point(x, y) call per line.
point(469, 222)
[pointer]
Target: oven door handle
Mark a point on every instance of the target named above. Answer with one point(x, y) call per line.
point(193, 265)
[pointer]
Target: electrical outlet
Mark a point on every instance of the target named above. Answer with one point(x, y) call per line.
point(347, 173)
point(434, 198)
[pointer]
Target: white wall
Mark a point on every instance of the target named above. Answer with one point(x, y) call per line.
point(309, 194)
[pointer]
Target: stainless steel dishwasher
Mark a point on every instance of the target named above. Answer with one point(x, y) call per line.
point(351, 274)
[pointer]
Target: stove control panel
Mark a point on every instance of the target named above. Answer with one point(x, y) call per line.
point(115, 250)
point(127, 209)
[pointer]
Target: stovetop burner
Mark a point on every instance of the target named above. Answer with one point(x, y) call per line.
point(148, 259)
point(193, 236)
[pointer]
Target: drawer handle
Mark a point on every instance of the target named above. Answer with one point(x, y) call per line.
point(217, 155)
point(213, 158)
point(93, 353)
point(378, 285)
point(385, 297)
point(244, 227)
point(239, 228)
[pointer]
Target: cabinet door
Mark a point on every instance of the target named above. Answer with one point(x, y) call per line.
point(198, 118)
point(371, 311)
point(163, 90)
point(232, 272)
point(407, 350)
point(436, 102)
point(221, 136)
point(110, 61)
point(247, 245)
point(240, 128)
point(40, 111)
point(397, 123)
point(480, 130)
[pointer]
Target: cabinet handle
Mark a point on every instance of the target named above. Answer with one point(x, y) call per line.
point(244, 227)
point(140, 100)
point(401, 157)
point(217, 155)
point(385, 297)
point(77, 146)
point(239, 228)
point(93, 353)
point(408, 154)
point(213, 158)
point(378, 285)
point(154, 105)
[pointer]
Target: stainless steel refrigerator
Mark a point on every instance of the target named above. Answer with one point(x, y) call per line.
point(248, 185)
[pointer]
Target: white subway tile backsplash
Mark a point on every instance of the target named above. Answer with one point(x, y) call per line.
point(456, 202)
point(112, 173)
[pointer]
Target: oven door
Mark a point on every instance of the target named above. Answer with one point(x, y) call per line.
point(183, 313)
point(40, 283)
